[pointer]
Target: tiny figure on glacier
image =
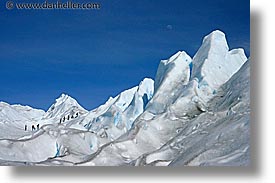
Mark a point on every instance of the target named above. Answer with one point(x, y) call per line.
point(26, 127)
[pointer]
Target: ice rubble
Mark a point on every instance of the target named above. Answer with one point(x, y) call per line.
point(195, 113)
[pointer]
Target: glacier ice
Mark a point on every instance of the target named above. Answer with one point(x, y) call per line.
point(195, 113)
point(172, 75)
point(214, 64)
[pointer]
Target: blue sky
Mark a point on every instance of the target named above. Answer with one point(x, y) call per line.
point(94, 54)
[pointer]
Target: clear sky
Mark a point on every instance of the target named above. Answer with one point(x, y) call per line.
point(94, 54)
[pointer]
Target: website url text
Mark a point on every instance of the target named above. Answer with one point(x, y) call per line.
point(53, 5)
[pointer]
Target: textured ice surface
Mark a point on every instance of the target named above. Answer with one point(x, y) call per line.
point(172, 75)
point(195, 113)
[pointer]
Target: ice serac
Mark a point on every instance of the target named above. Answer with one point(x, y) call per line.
point(141, 98)
point(184, 108)
point(64, 105)
point(214, 64)
point(223, 140)
point(117, 115)
point(172, 75)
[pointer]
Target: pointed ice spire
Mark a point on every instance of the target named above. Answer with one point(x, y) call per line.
point(172, 75)
point(62, 105)
point(66, 99)
point(175, 68)
point(214, 64)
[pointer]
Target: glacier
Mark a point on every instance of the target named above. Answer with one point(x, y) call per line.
point(195, 112)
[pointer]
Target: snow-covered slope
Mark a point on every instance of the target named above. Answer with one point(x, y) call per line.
point(195, 113)
point(13, 119)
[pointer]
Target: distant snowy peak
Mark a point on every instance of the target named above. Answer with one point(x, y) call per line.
point(3, 105)
point(63, 105)
point(214, 64)
point(19, 112)
point(66, 100)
